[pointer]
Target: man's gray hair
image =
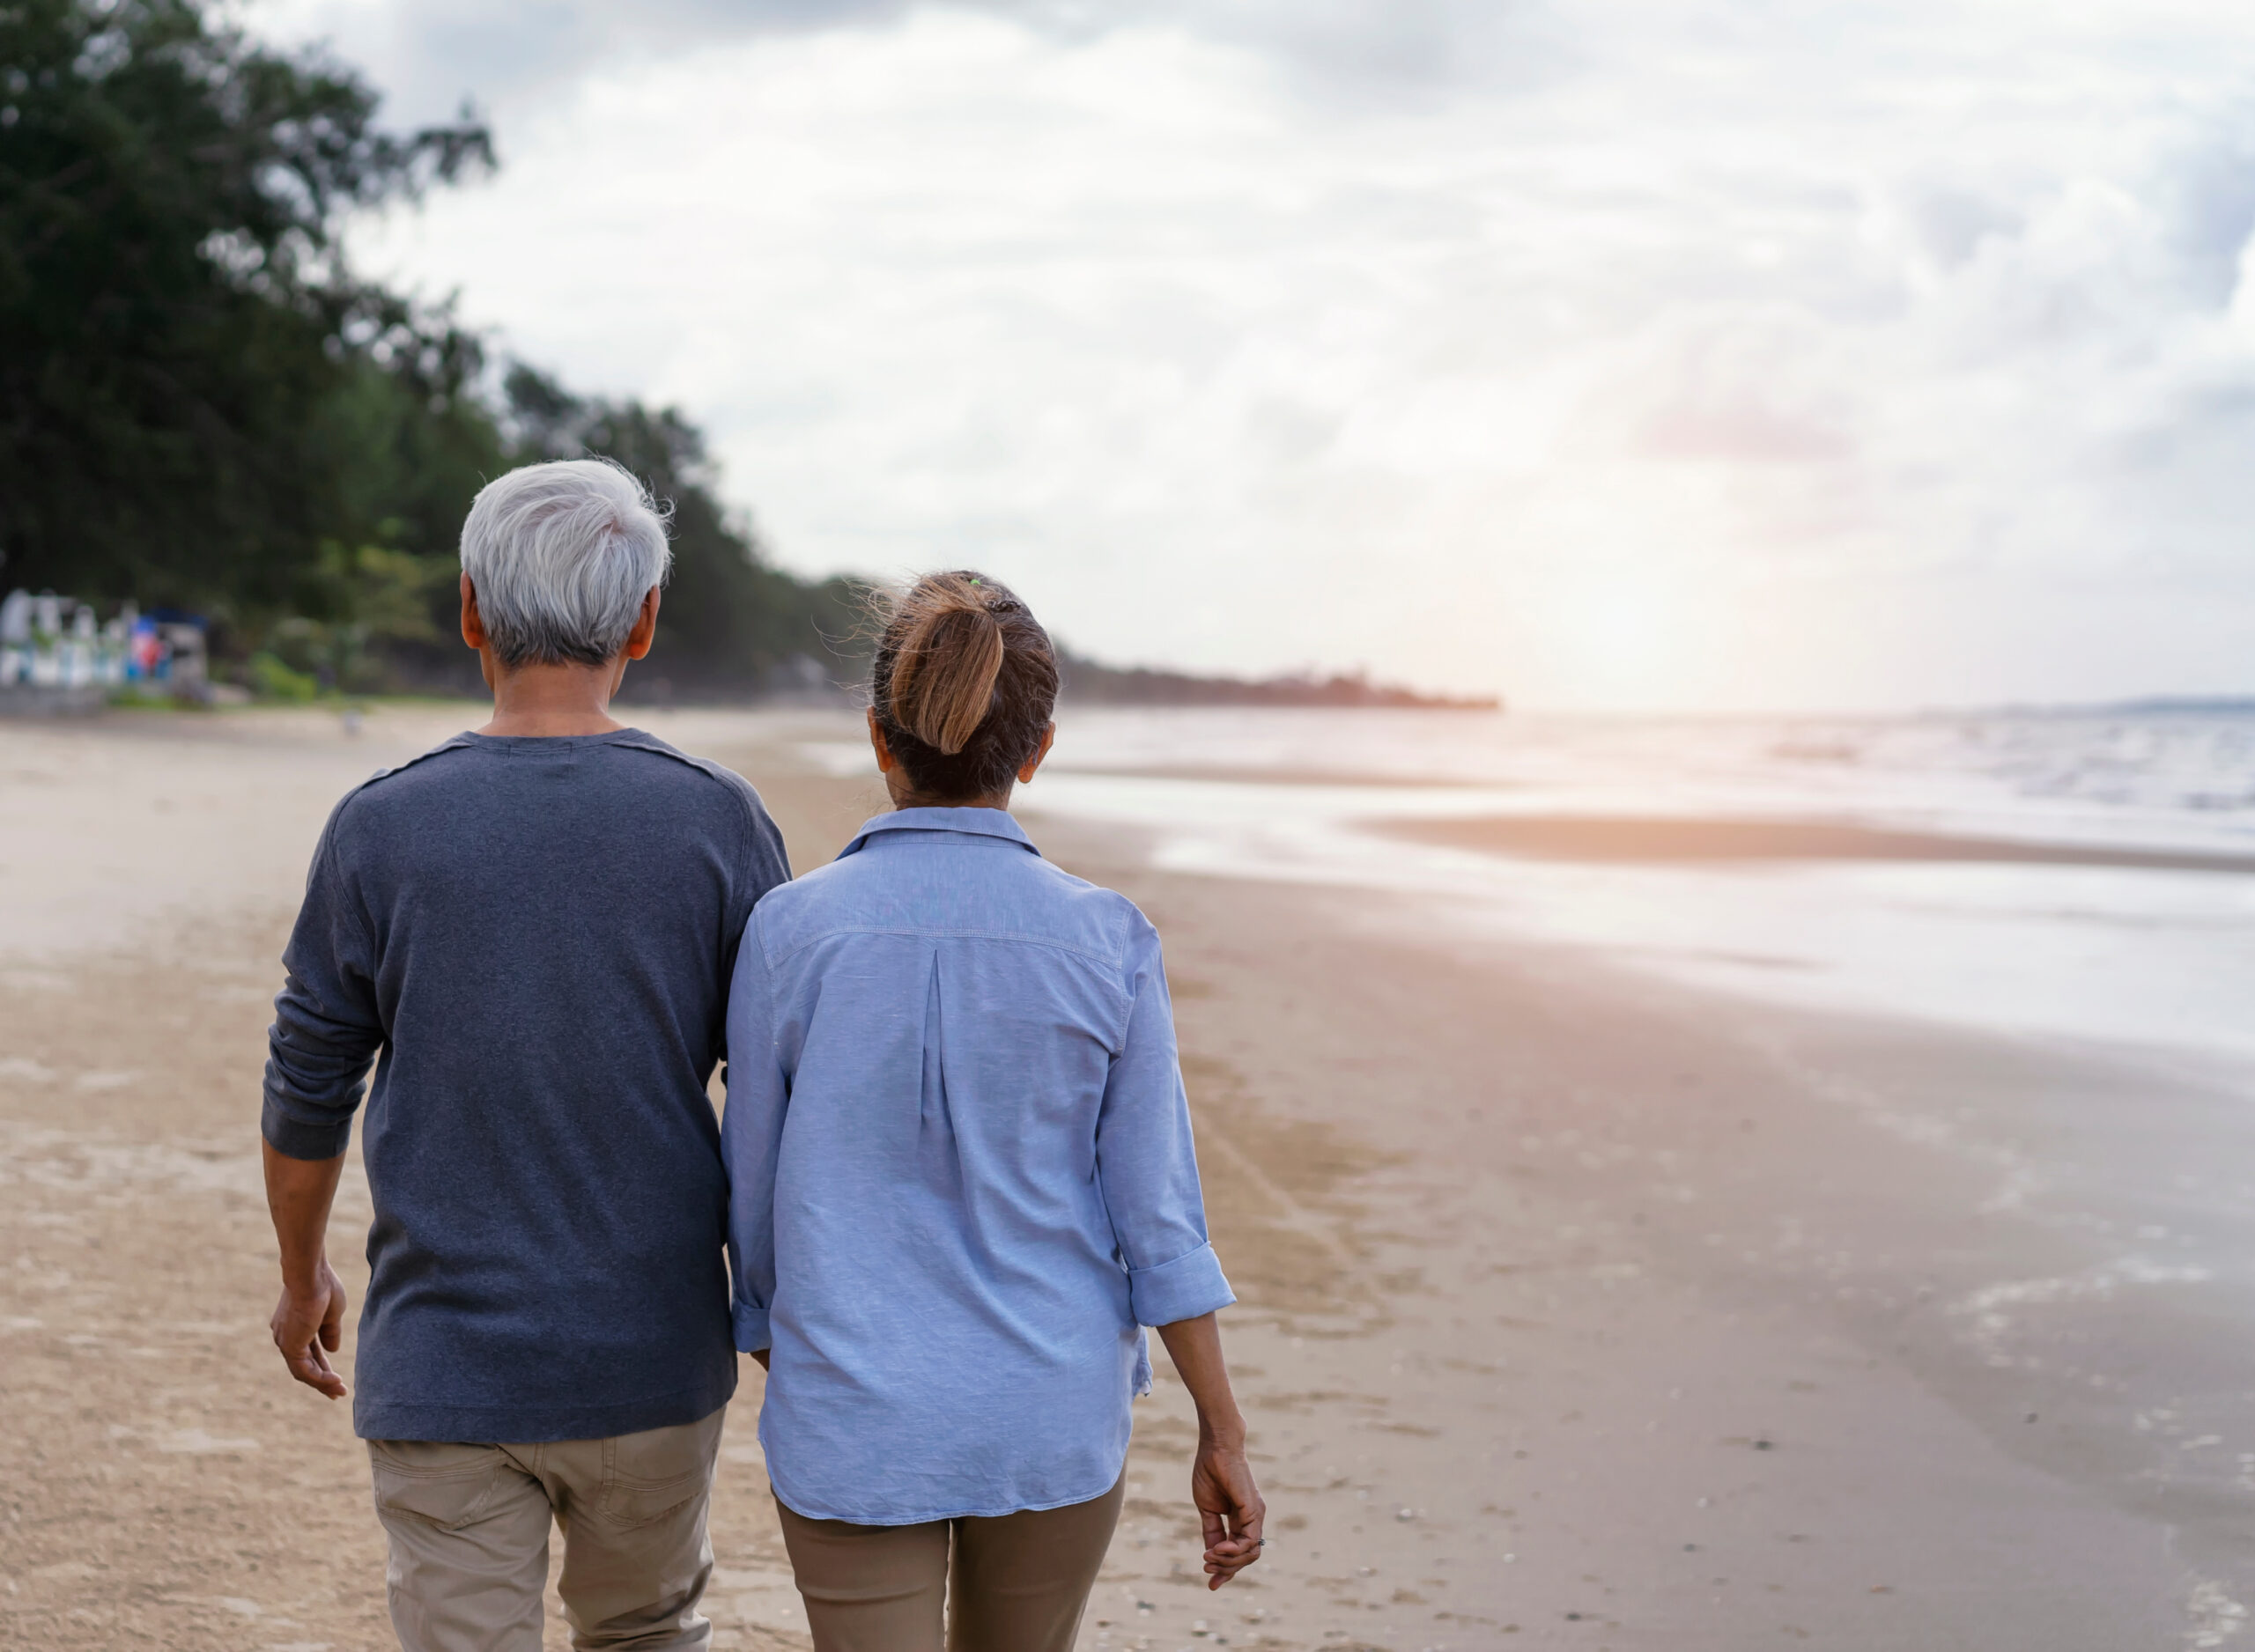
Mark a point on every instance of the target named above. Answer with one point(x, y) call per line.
point(561, 555)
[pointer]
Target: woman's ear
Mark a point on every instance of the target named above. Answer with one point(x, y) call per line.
point(1048, 738)
point(885, 759)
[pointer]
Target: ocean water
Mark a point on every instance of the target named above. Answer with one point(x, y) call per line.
point(2159, 959)
point(2103, 1276)
point(2120, 1290)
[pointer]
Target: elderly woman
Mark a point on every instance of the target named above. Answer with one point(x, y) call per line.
point(962, 1182)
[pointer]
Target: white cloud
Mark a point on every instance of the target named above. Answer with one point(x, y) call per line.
point(1611, 353)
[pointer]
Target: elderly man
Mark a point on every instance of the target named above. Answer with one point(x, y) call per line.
point(532, 928)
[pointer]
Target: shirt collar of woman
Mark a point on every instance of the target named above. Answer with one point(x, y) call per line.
point(977, 823)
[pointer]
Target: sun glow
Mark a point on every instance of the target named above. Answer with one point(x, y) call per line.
point(1618, 644)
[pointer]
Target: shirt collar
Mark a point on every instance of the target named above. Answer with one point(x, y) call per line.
point(977, 823)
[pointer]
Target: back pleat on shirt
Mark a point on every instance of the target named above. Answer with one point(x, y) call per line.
point(937, 1151)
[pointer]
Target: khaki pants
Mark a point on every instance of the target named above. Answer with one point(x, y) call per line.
point(1013, 1583)
point(468, 1529)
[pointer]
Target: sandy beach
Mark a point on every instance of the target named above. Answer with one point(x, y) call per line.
point(1579, 1309)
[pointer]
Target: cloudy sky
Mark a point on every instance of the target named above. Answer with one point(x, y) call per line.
point(1606, 353)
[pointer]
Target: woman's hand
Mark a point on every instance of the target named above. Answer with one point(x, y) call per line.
point(1221, 1480)
point(1229, 1507)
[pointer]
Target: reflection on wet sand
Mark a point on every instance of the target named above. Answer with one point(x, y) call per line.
point(1663, 840)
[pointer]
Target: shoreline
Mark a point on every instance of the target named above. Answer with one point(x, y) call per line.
point(1809, 1189)
point(1580, 1307)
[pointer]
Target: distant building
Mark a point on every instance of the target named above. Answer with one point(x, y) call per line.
point(54, 648)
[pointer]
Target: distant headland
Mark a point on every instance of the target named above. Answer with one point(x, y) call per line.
point(1087, 683)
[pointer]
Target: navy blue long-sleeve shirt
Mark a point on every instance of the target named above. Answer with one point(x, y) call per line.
point(533, 938)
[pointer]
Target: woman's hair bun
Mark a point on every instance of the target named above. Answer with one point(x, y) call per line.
point(946, 662)
point(963, 682)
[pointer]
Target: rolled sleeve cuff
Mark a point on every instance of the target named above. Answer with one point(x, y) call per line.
point(752, 1334)
point(295, 1138)
point(1184, 1288)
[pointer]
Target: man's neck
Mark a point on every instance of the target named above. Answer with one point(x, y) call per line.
point(546, 702)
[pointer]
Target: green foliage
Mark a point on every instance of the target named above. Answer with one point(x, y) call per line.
point(387, 593)
point(134, 697)
point(272, 679)
point(730, 621)
point(180, 346)
point(368, 601)
point(202, 407)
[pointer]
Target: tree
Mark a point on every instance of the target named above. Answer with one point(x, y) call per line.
point(201, 406)
point(732, 622)
point(195, 392)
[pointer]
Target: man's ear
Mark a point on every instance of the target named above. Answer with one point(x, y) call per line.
point(645, 627)
point(473, 628)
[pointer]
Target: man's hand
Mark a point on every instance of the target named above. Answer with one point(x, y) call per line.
point(310, 1319)
point(307, 1327)
point(1229, 1507)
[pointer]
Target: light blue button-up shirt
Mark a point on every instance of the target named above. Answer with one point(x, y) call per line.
point(961, 1174)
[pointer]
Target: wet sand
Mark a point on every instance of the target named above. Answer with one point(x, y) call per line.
point(1579, 1310)
point(1661, 840)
